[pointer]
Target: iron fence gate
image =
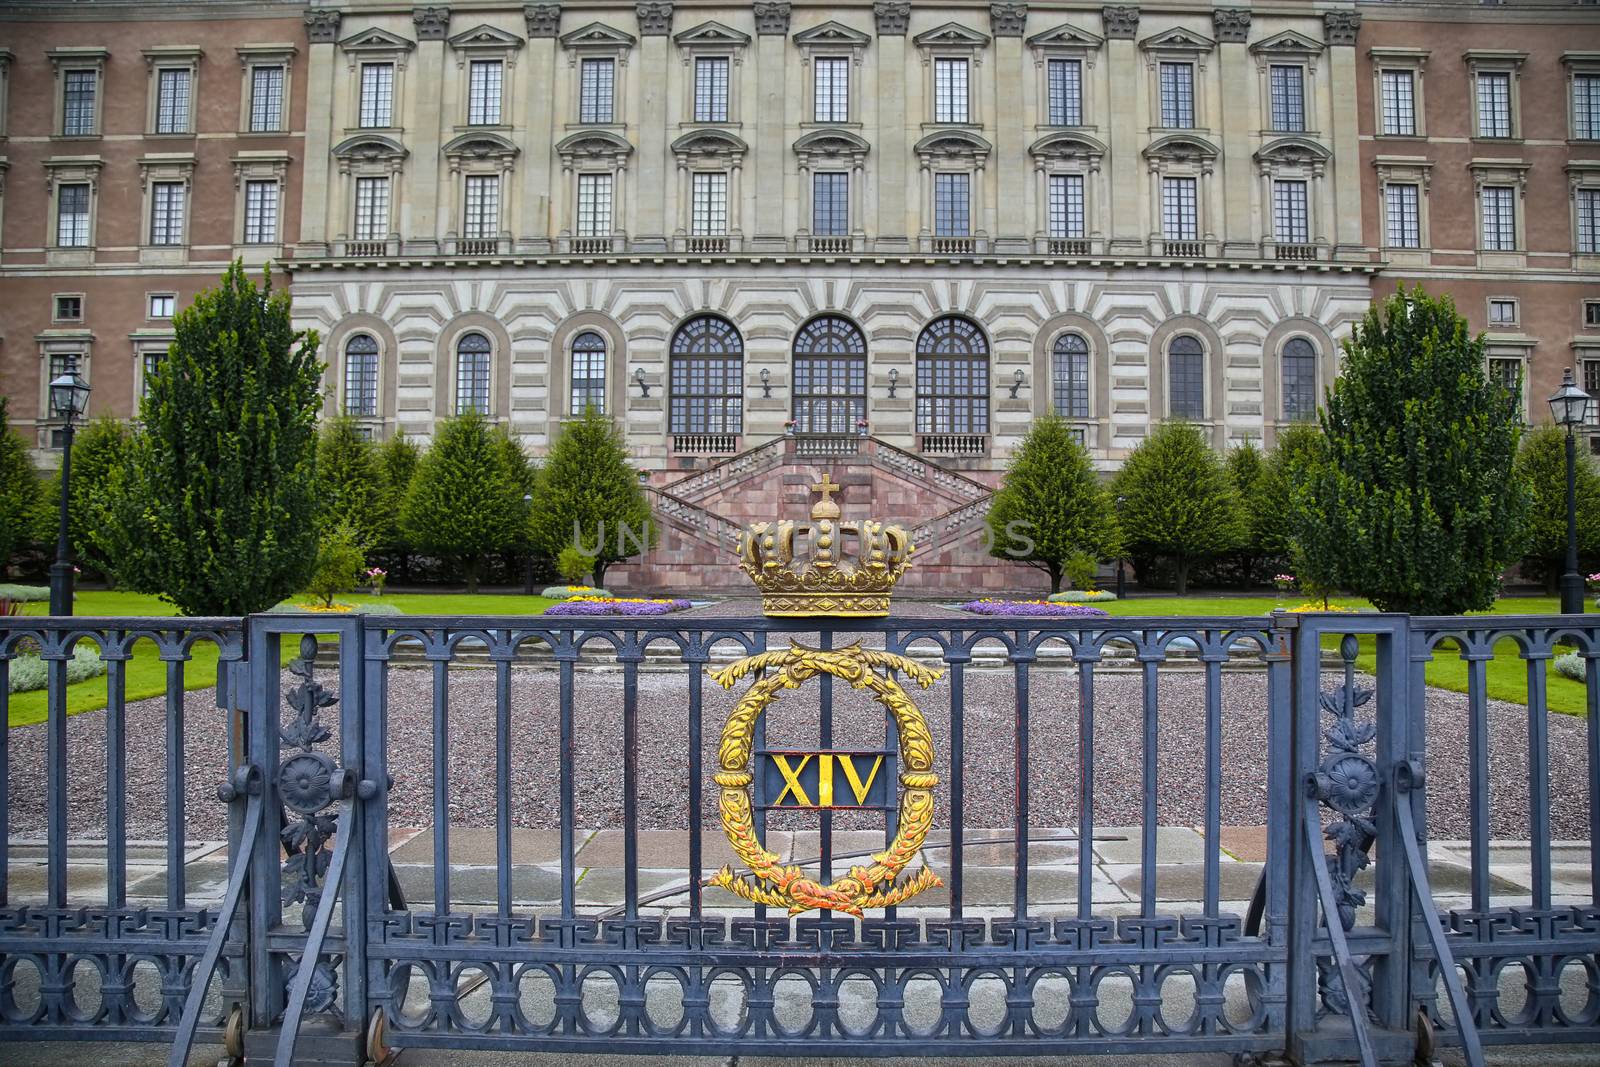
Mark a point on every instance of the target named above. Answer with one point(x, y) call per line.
point(334, 738)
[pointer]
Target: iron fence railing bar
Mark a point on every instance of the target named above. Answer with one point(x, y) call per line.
point(1020, 661)
point(1538, 778)
point(502, 774)
point(54, 651)
point(441, 790)
point(1352, 978)
point(694, 658)
point(825, 741)
point(1591, 674)
point(630, 778)
point(177, 892)
point(1086, 659)
point(1149, 658)
point(1215, 652)
point(957, 659)
point(568, 654)
point(5, 781)
point(1478, 763)
point(112, 653)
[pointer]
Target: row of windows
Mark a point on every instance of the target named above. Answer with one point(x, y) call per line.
point(1495, 104)
point(175, 91)
point(1497, 218)
point(169, 208)
point(706, 376)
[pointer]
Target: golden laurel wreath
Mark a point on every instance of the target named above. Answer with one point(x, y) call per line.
point(877, 885)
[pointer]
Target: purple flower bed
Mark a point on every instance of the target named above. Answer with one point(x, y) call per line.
point(616, 607)
point(1032, 607)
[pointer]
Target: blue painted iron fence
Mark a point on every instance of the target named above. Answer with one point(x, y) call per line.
point(307, 950)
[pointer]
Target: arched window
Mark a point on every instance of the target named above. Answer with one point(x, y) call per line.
point(588, 373)
point(1186, 377)
point(707, 377)
point(361, 375)
point(1069, 376)
point(472, 373)
point(1298, 380)
point(952, 378)
point(830, 376)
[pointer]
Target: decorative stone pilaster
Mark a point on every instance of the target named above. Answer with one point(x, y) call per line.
point(544, 20)
point(1232, 24)
point(1008, 19)
point(1121, 21)
point(772, 17)
point(433, 23)
point(892, 16)
point(655, 17)
point(322, 25)
point(1340, 27)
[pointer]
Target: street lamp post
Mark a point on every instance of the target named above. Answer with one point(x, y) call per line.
point(527, 560)
point(1570, 407)
point(1122, 564)
point(69, 397)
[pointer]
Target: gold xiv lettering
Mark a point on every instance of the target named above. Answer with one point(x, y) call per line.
point(827, 763)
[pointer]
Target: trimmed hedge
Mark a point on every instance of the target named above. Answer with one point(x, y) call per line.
point(30, 672)
point(25, 593)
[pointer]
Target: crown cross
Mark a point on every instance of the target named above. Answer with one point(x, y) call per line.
point(827, 507)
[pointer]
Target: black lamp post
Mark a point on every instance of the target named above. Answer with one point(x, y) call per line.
point(1570, 407)
point(527, 562)
point(1122, 564)
point(69, 397)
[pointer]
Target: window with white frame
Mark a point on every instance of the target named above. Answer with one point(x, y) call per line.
point(950, 101)
point(711, 89)
point(1399, 103)
point(1177, 95)
point(377, 95)
point(482, 206)
point(78, 89)
point(1069, 376)
point(1494, 104)
point(361, 376)
point(261, 212)
point(1290, 223)
point(1186, 377)
point(1586, 107)
point(372, 208)
point(1297, 380)
point(266, 99)
point(484, 80)
point(710, 204)
point(1064, 81)
point(1502, 311)
point(1288, 98)
point(163, 305)
point(172, 100)
point(1066, 206)
point(832, 89)
point(166, 212)
point(150, 361)
point(1180, 219)
point(830, 203)
point(1591, 313)
point(1507, 373)
point(588, 373)
point(594, 205)
point(1402, 220)
point(72, 215)
point(1498, 218)
point(473, 358)
point(597, 83)
point(67, 307)
point(1588, 210)
point(952, 205)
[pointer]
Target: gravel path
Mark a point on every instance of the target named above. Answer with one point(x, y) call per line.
point(663, 756)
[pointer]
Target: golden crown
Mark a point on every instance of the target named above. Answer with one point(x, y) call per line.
point(840, 568)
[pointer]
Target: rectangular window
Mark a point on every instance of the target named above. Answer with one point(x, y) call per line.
point(588, 375)
point(1186, 378)
point(830, 204)
point(166, 213)
point(72, 215)
point(1066, 92)
point(1586, 107)
point(1066, 205)
point(1402, 224)
point(1502, 312)
point(950, 90)
point(707, 394)
point(483, 92)
point(1180, 220)
point(361, 381)
point(172, 101)
point(1288, 99)
point(952, 205)
point(1177, 95)
point(266, 99)
point(711, 89)
point(1589, 222)
point(597, 90)
point(1289, 222)
point(832, 102)
point(1507, 373)
point(77, 102)
point(594, 205)
point(1299, 383)
point(483, 207)
point(1494, 105)
point(472, 382)
point(372, 209)
point(152, 363)
point(710, 204)
point(1070, 380)
point(952, 394)
point(377, 95)
point(260, 212)
point(1399, 104)
point(1591, 315)
point(1498, 211)
point(68, 309)
point(162, 305)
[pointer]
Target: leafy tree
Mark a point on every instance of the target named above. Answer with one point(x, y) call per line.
point(340, 562)
point(99, 449)
point(1246, 467)
point(1269, 505)
point(524, 478)
point(1178, 502)
point(19, 486)
point(588, 495)
point(463, 502)
point(397, 462)
point(216, 508)
point(350, 488)
point(1542, 469)
point(1051, 507)
point(1413, 502)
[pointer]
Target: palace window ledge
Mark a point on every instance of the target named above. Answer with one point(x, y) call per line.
point(478, 247)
